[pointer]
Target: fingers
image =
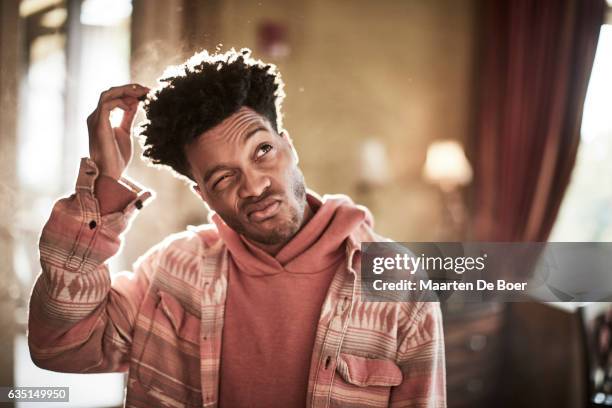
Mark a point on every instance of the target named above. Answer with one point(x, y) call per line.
point(130, 100)
point(108, 106)
point(129, 94)
point(130, 90)
point(127, 103)
point(128, 118)
point(111, 148)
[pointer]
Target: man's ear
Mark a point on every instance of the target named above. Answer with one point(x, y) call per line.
point(285, 135)
point(195, 189)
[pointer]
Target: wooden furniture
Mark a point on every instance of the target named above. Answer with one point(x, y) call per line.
point(514, 355)
point(473, 344)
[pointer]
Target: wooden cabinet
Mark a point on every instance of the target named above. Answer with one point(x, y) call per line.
point(513, 355)
point(473, 343)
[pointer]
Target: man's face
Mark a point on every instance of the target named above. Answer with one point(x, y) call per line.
point(248, 174)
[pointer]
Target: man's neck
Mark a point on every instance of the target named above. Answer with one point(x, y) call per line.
point(274, 249)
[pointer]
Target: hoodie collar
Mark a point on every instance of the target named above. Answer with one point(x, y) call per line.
point(330, 235)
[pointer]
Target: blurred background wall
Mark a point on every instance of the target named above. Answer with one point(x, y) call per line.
point(392, 75)
point(9, 74)
point(383, 99)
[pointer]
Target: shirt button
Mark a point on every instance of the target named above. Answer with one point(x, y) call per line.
point(138, 204)
point(327, 361)
point(92, 224)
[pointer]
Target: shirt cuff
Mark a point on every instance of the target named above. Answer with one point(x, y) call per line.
point(112, 194)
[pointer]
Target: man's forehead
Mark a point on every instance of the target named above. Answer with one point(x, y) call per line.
point(236, 124)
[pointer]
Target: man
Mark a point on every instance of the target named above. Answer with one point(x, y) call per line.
point(260, 308)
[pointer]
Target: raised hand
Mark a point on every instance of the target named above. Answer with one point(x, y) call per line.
point(111, 148)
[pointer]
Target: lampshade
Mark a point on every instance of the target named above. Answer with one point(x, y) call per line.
point(446, 165)
point(374, 162)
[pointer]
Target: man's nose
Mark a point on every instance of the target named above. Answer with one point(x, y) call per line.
point(253, 184)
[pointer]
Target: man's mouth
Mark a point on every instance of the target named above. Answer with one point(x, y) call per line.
point(262, 211)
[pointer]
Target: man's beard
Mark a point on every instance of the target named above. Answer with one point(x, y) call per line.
point(283, 231)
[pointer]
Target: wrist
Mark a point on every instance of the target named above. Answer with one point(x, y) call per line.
point(114, 174)
point(112, 194)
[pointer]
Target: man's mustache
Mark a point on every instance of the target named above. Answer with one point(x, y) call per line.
point(252, 204)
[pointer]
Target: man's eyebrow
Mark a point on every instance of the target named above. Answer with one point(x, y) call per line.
point(252, 132)
point(212, 171)
point(218, 167)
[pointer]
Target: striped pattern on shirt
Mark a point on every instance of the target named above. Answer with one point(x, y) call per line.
point(163, 322)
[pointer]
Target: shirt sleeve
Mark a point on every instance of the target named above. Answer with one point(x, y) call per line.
point(112, 195)
point(80, 321)
point(421, 359)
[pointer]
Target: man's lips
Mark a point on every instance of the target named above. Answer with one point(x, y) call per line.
point(266, 212)
point(264, 209)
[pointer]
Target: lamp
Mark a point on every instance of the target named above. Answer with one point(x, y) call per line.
point(374, 163)
point(374, 170)
point(447, 167)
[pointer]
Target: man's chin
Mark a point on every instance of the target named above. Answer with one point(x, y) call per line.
point(271, 237)
point(273, 234)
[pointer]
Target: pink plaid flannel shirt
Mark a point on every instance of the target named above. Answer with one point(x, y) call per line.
point(163, 323)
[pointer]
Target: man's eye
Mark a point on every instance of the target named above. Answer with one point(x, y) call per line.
point(220, 179)
point(263, 149)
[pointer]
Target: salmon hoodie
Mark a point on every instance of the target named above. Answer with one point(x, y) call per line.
point(274, 303)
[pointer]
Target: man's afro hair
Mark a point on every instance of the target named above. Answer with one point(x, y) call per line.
point(198, 95)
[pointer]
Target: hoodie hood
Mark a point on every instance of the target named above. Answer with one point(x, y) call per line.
point(319, 244)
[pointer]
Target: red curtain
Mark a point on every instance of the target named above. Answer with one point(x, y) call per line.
point(536, 62)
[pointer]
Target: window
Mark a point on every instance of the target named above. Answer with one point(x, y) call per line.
point(586, 211)
point(74, 49)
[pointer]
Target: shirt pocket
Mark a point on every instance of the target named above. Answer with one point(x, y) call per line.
point(169, 364)
point(363, 381)
point(186, 326)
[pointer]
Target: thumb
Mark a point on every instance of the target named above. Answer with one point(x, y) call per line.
point(128, 118)
point(124, 143)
